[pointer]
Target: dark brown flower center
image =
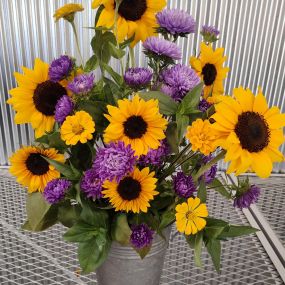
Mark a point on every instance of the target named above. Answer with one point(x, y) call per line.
point(209, 72)
point(47, 95)
point(129, 188)
point(135, 127)
point(132, 10)
point(252, 131)
point(36, 164)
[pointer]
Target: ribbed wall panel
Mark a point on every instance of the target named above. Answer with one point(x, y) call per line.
point(252, 33)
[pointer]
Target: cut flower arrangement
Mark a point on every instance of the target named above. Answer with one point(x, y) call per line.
point(122, 157)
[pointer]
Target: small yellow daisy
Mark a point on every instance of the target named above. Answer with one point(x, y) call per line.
point(77, 128)
point(189, 216)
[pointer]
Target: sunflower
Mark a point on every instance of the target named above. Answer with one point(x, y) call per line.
point(35, 98)
point(189, 216)
point(209, 66)
point(249, 131)
point(135, 17)
point(67, 12)
point(201, 136)
point(77, 128)
point(136, 122)
point(32, 170)
point(133, 192)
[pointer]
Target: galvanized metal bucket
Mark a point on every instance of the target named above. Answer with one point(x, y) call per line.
point(124, 266)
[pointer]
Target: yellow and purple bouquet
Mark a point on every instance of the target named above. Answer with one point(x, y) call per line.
point(123, 156)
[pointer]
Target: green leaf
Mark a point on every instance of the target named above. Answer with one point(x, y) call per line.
point(91, 64)
point(198, 248)
point(121, 231)
point(41, 215)
point(202, 192)
point(214, 249)
point(167, 105)
point(68, 214)
point(116, 76)
point(211, 222)
point(55, 141)
point(143, 251)
point(167, 218)
point(172, 137)
point(236, 231)
point(182, 123)
point(190, 102)
point(213, 232)
point(116, 52)
point(92, 253)
point(191, 240)
point(127, 42)
point(26, 226)
point(64, 169)
point(218, 186)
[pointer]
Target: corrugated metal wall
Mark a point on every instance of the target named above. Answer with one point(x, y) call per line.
point(252, 32)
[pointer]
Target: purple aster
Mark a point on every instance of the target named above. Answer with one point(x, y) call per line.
point(141, 236)
point(114, 161)
point(204, 105)
point(55, 190)
point(178, 81)
point(60, 68)
point(82, 83)
point(210, 174)
point(246, 198)
point(138, 77)
point(155, 156)
point(176, 22)
point(91, 184)
point(162, 47)
point(184, 185)
point(63, 108)
point(210, 33)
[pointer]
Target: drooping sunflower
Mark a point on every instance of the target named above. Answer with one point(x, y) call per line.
point(136, 122)
point(249, 131)
point(209, 66)
point(133, 193)
point(77, 128)
point(67, 11)
point(135, 17)
point(32, 170)
point(190, 216)
point(35, 98)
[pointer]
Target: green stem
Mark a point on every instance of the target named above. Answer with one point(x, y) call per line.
point(132, 57)
point(77, 43)
point(204, 168)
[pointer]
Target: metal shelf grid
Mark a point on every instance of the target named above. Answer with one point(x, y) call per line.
point(44, 258)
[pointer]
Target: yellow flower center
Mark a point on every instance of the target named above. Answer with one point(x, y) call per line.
point(77, 129)
point(190, 215)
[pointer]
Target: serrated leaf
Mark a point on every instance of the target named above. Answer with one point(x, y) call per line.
point(167, 105)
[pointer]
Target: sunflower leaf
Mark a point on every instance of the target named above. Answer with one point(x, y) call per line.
point(116, 52)
point(91, 64)
point(167, 105)
point(121, 231)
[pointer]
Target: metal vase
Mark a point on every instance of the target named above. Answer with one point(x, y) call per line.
point(124, 266)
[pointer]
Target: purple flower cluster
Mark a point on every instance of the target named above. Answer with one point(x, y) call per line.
point(138, 77)
point(176, 22)
point(141, 236)
point(155, 156)
point(55, 190)
point(60, 68)
point(162, 47)
point(91, 184)
point(204, 105)
point(211, 173)
point(114, 161)
point(178, 81)
point(63, 108)
point(245, 199)
point(184, 186)
point(82, 84)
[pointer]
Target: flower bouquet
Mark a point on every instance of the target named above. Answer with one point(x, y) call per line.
point(119, 158)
